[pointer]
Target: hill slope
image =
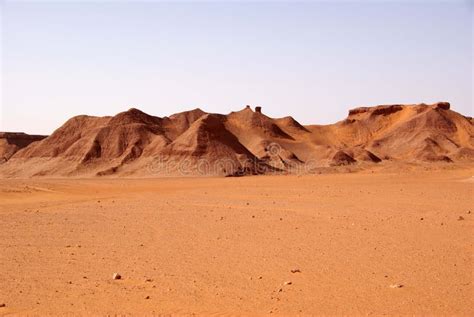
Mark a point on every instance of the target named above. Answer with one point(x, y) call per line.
point(242, 142)
point(12, 142)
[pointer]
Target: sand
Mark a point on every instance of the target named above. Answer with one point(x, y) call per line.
point(359, 243)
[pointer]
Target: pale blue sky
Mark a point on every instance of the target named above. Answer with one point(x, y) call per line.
point(311, 60)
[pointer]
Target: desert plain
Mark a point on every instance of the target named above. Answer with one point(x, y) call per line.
point(240, 214)
point(371, 242)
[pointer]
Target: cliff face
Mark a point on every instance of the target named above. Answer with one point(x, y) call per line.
point(243, 142)
point(11, 142)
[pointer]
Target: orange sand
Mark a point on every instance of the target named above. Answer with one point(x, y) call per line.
point(227, 246)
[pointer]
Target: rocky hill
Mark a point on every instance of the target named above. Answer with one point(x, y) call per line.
point(133, 143)
point(12, 142)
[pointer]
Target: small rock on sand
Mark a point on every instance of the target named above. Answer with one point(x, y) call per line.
point(117, 276)
point(296, 271)
point(460, 218)
point(396, 286)
point(287, 283)
point(2, 305)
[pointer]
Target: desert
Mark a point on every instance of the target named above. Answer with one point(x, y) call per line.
point(236, 158)
point(240, 214)
point(360, 243)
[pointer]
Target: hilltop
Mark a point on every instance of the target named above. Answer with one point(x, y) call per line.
point(133, 143)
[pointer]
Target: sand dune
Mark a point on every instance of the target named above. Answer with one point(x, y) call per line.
point(133, 143)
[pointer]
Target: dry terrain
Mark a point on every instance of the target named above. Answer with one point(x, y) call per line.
point(355, 243)
point(246, 142)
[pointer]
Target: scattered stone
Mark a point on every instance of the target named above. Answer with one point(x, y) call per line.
point(421, 218)
point(148, 280)
point(2, 305)
point(148, 297)
point(117, 276)
point(396, 285)
point(296, 271)
point(460, 218)
point(468, 212)
point(287, 283)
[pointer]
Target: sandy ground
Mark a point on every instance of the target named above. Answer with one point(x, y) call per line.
point(227, 246)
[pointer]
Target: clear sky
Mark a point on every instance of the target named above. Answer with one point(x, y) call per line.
point(311, 60)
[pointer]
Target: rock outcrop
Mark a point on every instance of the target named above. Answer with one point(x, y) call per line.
point(12, 142)
point(245, 142)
